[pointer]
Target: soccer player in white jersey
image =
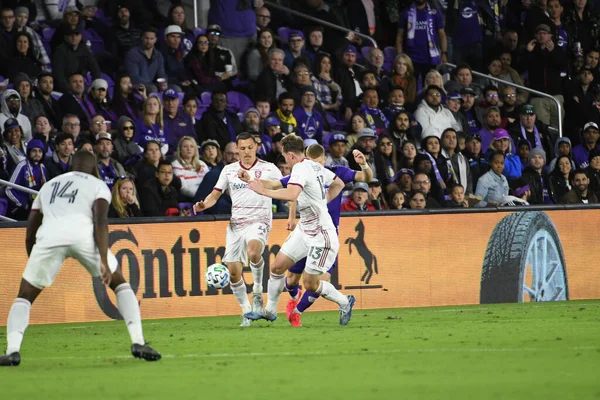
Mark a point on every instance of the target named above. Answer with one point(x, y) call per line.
point(315, 236)
point(251, 221)
point(69, 218)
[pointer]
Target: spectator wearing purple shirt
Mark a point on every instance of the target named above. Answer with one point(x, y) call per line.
point(421, 35)
point(177, 123)
point(150, 125)
point(581, 152)
point(463, 23)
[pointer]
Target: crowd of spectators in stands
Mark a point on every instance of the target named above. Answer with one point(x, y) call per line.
point(160, 102)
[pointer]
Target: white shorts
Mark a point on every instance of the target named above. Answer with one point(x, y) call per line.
point(45, 262)
point(236, 241)
point(320, 250)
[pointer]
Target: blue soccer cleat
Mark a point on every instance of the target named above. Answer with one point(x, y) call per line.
point(261, 314)
point(346, 312)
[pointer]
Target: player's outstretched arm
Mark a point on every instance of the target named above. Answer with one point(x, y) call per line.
point(335, 189)
point(101, 236)
point(208, 202)
point(366, 174)
point(33, 224)
point(290, 193)
point(245, 176)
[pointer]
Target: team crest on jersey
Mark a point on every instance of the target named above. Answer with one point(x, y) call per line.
point(257, 174)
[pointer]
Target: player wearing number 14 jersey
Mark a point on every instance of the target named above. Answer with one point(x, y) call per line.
point(315, 236)
point(74, 209)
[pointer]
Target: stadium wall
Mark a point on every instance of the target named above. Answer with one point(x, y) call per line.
point(385, 260)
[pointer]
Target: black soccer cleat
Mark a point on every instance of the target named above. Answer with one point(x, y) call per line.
point(10, 360)
point(144, 351)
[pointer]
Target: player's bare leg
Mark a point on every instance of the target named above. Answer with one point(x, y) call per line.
point(313, 283)
point(255, 255)
point(18, 321)
point(129, 308)
point(276, 283)
point(238, 287)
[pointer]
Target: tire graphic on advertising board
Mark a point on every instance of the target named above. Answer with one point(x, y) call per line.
point(524, 261)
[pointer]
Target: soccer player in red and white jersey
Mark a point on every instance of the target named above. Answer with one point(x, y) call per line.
point(251, 221)
point(69, 218)
point(315, 236)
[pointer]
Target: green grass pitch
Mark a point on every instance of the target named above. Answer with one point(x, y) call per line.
point(516, 351)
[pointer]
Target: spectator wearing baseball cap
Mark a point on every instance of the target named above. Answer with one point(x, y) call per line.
point(528, 127)
point(15, 143)
point(337, 149)
point(100, 99)
point(30, 173)
point(177, 123)
point(365, 142)
point(309, 121)
point(271, 127)
point(545, 63)
point(478, 164)
point(173, 56)
point(432, 115)
point(109, 169)
point(590, 141)
point(512, 163)
point(347, 77)
point(359, 199)
point(295, 50)
point(537, 178)
point(225, 62)
point(579, 98)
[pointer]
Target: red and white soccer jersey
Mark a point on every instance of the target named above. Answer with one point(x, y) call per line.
point(248, 207)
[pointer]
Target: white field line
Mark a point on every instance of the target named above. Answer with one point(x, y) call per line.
point(328, 353)
point(474, 308)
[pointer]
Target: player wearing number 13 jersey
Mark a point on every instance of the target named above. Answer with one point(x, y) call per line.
point(315, 236)
point(69, 218)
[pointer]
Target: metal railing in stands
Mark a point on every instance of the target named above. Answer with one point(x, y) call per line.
point(319, 21)
point(18, 187)
point(523, 88)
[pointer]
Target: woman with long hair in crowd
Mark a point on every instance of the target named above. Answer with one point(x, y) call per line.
point(14, 143)
point(188, 167)
point(43, 130)
point(403, 76)
point(146, 168)
point(329, 93)
point(409, 152)
point(357, 122)
point(559, 180)
point(150, 125)
point(258, 57)
point(386, 159)
point(211, 153)
point(199, 67)
point(128, 100)
point(23, 59)
point(124, 203)
point(432, 146)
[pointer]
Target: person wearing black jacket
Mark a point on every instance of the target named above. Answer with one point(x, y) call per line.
point(559, 183)
point(545, 63)
point(348, 79)
point(159, 196)
point(219, 124)
point(274, 79)
point(60, 161)
point(52, 111)
point(537, 179)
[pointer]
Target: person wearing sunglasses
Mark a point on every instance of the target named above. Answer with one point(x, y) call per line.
point(125, 150)
point(224, 63)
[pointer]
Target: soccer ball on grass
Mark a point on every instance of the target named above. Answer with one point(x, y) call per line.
point(217, 276)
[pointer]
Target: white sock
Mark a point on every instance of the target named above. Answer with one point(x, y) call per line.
point(129, 308)
point(328, 291)
point(18, 320)
point(257, 273)
point(274, 289)
point(239, 291)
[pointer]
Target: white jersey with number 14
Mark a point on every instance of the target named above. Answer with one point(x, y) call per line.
point(312, 203)
point(67, 203)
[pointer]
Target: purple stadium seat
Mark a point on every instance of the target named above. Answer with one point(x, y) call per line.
point(390, 53)
point(3, 206)
point(205, 97)
point(201, 110)
point(284, 34)
point(364, 52)
point(56, 95)
point(238, 102)
point(46, 37)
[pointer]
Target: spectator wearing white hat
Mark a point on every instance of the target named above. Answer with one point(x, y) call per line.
point(109, 169)
point(100, 99)
point(173, 56)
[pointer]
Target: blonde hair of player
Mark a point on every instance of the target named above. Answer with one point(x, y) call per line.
point(195, 164)
point(117, 202)
point(316, 153)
